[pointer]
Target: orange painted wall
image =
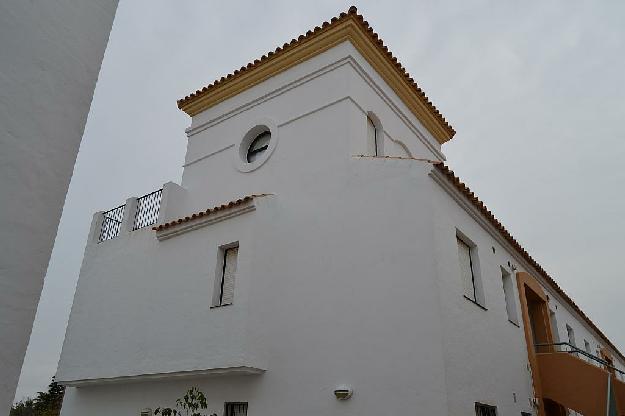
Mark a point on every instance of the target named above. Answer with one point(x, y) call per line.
point(574, 383)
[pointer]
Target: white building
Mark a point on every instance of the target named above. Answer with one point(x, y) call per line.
point(348, 258)
point(50, 56)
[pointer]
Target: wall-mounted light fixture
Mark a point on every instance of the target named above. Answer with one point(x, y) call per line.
point(343, 392)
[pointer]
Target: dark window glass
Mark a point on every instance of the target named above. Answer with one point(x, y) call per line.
point(482, 409)
point(258, 146)
point(235, 409)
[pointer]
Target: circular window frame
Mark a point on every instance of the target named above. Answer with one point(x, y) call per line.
point(264, 125)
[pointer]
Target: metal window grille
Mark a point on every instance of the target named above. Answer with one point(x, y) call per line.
point(235, 409)
point(111, 223)
point(482, 409)
point(148, 207)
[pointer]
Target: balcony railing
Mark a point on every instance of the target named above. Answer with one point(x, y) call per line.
point(565, 347)
point(112, 222)
point(575, 379)
point(148, 207)
point(116, 220)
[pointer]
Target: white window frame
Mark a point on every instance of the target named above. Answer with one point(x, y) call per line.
point(587, 346)
point(555, 334)
point(252, 132)
point(507, 281)
point(218, 293)
point(375, 135)
point(477, 295)
point(570, 333)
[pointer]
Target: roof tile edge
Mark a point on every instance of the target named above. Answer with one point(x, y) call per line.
point(347, 26)
point(207, 212)
point(475, 201)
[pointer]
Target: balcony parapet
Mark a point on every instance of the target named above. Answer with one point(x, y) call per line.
point(579, 380)
point(137, 213)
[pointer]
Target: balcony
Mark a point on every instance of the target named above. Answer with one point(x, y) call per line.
point(135, 214)
point(578, 380)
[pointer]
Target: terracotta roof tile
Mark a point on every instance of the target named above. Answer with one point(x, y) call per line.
point(495, 222)
point(207, 212)
point(352, 13)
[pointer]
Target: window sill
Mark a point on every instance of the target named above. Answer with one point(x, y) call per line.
point(475, 303)
point(220, 306)
point(514, 323)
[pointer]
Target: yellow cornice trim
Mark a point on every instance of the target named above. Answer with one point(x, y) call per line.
point(316, 44)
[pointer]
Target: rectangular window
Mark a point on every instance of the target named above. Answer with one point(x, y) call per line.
point(467, 270)
point(554, 326)
point(508, 291)
point(235, 409)
point(224, 284)
point(482, 409)
point(571, 335)
point(587, 347)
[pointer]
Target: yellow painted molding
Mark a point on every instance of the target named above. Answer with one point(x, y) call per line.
point(310, 46)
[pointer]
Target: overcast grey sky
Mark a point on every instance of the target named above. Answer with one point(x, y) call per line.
point(535, 91)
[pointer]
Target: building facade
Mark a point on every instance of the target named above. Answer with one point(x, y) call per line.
point(50, 56)
point(318, 258)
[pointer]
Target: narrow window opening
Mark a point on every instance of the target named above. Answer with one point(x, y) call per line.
point(466, 269)
point(224, 288)
point(482, 409)
point(508, 290)
point(374, 138)
point(587, 347)
point(571, 335)
point(235, 409)
point(554, 326)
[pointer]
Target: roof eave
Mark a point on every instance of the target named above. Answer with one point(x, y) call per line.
point(348, 27)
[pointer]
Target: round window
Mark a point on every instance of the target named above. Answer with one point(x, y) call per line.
point(258, 146)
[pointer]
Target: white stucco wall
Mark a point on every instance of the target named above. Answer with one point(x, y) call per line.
point(50, 55)
point(349, 272)
point(485, 353)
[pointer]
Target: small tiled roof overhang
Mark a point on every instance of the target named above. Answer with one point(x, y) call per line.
point(347, 26)
point(207, 212)
point(460, 186)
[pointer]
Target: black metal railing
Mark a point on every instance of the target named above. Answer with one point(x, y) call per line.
point(565, 347)
point(148, 207)
point(111, 223)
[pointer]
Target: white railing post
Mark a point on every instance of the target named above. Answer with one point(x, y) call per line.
point(172, 193)
point(96, 228)
point(130, 211)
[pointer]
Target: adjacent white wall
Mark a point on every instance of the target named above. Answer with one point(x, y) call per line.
point(50, 56)
point(485, 353)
